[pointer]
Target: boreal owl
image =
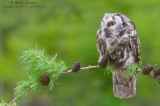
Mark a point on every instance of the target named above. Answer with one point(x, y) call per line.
point(118, 43)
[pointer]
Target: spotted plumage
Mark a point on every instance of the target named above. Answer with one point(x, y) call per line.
point(117, 40)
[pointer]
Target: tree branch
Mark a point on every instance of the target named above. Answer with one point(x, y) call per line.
point(43, 60)
point(152, 76)
point(97, 66)
point(13, 101)
point(83, 68)
point(77, 67)
point(92, 67)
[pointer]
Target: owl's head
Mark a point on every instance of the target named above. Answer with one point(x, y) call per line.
point(114, 24)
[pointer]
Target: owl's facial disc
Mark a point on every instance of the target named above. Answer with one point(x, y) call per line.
point(112, 24)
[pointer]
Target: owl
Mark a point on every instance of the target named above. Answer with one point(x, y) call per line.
point(118, 44)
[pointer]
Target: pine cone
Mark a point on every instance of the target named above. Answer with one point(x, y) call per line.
point(76, 67)
point(45, 79)
point(102, 63)
point(157, 72)
point(146, 70)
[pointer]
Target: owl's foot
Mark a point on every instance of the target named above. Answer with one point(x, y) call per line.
point(103, 61)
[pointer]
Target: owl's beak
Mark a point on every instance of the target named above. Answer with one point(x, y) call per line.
point(105, 28)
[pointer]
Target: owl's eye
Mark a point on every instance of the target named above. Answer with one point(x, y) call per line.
point(112, 23)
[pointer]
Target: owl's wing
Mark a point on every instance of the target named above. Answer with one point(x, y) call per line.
point(135, 46)
point(101, 43)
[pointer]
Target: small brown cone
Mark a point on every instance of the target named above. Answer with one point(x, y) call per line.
point(146, 70)
point(76, 67)
point(102, 63)
point(45, 79)
point(157, 72)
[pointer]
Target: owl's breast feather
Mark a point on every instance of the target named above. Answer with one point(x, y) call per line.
point(118, 51)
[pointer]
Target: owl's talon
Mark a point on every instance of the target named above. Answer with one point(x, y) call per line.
point(103, 61)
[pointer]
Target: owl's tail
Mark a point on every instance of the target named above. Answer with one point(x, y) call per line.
point(123, 87)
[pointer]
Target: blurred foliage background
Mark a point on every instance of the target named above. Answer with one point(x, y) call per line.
point(68, 27)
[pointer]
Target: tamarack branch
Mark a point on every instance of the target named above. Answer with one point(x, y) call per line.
point(146, 70)
point(38, 60)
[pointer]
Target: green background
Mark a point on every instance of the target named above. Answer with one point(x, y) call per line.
point(68, 27)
